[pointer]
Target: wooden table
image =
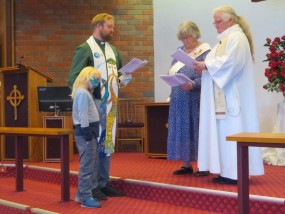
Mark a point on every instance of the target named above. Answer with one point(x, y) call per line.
point(244, 140)
point(20, 132)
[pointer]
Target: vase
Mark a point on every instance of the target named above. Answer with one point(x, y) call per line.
point(276, 156)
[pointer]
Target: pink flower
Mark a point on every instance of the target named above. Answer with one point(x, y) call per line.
point(271, 79)
point(277, 39)
point(275, 54)
point(282, 87)
point(282, 73)
point(268, 40)
point(275, 72)
point(272, 64)
point(272, 49)
point(267, 73)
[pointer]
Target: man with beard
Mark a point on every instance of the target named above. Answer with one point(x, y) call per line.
point(97, 52)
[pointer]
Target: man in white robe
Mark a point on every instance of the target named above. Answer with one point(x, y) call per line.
point(227, 99)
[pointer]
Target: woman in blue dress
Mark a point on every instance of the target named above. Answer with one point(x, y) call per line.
point(183, 121)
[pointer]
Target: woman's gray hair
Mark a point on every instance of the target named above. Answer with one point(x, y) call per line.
point(228, 13)
point(188, 28)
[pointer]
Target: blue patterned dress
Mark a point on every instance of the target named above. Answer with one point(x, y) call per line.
point(183, 120)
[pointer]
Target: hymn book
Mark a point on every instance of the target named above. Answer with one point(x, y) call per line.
point(176, 79)
point(183, 57)
point(132, 66)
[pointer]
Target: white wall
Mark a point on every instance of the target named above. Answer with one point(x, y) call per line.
point(266, 19)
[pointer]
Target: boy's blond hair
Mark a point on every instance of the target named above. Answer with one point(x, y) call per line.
point(84, 77)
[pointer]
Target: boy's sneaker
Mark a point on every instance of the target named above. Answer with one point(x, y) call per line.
point(77, 198)
point(90, 203)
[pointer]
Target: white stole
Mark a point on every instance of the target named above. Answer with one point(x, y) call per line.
point(100, 62)
point(219, 97)
point(109, 91)
point(198, 51)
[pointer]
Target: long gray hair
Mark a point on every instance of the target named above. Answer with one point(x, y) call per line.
point(227, 13)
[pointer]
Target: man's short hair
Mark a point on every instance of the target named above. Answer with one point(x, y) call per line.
point(100, 19)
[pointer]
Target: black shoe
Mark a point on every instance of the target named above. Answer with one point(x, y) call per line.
point(98, 194)
point(201, 173)
point(223, 180)
point(217, 179)
point(111, 191)
point(184, 171)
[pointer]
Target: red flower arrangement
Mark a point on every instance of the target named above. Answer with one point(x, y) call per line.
point(275, 73)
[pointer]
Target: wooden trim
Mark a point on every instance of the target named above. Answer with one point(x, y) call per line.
point(23, 131)
point(155, 155)
point(16, 69)
point(10, 53)
point(260, 137)
point(154, 104)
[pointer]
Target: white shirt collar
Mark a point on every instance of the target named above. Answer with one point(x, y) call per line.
point(231, 29)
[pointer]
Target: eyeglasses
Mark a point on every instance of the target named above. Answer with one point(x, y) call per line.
point(186, 37)
point(217, 22)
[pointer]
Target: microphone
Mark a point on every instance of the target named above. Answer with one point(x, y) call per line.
point(19, 64)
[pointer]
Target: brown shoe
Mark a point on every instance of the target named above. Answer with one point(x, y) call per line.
point(201, 173)
point(184, 171)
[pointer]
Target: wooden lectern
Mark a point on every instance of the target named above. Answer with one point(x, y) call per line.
point(19, 108)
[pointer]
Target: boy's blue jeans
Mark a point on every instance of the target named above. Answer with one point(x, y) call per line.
point(88, 166)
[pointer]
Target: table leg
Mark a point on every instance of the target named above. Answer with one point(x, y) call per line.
point(243, 179)
point(64, 155)
point(19, 163)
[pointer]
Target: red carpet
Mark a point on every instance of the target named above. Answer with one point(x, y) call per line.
point(177, 197)
point(136, 166)
point(41, 195)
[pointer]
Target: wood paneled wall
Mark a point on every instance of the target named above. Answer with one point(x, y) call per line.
point(6, 33)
